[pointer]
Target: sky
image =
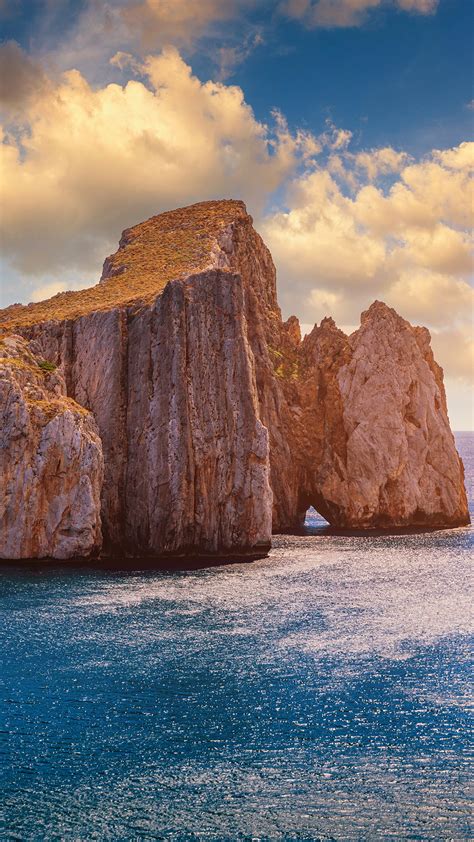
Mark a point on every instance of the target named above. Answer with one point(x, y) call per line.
point(345, 125)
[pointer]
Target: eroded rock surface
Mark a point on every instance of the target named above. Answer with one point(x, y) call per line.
point(51, 464)
point(217, 422)
point(386, 456)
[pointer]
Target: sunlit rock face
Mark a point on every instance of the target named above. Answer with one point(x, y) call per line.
point(167, 368)
point(51, 464)
point(386, 456)
point(172, 387)
point(217, 422)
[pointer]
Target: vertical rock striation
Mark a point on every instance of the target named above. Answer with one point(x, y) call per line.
point(383, 454)
point(195, 431)
point(217, 422)
point(51, 463)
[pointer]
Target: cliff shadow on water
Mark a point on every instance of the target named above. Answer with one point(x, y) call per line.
point(122, 564)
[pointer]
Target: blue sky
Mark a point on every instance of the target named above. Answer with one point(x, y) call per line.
point(360, 184)
point(400, 79)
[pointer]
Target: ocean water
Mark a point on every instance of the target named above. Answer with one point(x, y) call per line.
point(321, 693)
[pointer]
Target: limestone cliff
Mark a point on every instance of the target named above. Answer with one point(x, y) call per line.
point(51, 464)
point(381, 452)
point(217, 422)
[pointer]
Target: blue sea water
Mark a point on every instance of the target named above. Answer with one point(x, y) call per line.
point(321, 693)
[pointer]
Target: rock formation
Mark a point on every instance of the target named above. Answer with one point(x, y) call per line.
point(385, 455)
point(217, 422)
point(51, 464)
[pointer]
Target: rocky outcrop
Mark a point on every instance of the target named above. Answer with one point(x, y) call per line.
point(385, 455)
point(217, 422)
point(172, 387)
point(51, 462)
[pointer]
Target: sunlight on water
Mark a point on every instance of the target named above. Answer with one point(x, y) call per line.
point(321, 693)
point(313, 519)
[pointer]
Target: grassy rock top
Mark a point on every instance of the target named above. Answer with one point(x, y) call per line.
point(165, 247)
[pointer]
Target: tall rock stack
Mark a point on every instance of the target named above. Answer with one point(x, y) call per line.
point(217, 422)
point(385, 454)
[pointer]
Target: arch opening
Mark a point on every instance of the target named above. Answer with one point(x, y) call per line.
point(314, 520)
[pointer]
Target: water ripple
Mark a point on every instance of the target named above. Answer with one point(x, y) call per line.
point(322, 693)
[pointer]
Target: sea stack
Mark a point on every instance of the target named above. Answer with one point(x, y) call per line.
point(217, 424)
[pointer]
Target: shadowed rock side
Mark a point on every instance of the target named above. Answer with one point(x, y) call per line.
point(51, 464)
point(207, 402)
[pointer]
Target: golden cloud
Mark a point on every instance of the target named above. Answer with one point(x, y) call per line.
point(92, 161)
point(410, 244)
point(174, 21)
point(84, 163)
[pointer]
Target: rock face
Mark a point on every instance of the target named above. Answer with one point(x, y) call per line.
point(387, 455)
point(217, 422)
point(51, 464)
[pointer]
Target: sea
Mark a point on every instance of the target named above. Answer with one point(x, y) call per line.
point(321, 693)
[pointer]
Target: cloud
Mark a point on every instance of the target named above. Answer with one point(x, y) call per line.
point(21, 78)
point(379, 162)
point(161, 22)
point(98, 31)
point(230, 57)
point(92, 161)
point(430, 297)
point(126, 61)
point(354, 236)
point(122, 32)
point(454, 347)
point(47, 290)
point(428, 192)
point(80, 162)
point(224, 32)
point(343, 13)
point(320, 235)
point(423, 7)
point(459, 158)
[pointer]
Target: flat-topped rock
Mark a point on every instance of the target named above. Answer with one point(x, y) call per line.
point(170, 245)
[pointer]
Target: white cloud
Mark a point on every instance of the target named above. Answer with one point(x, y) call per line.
point(428, 297)
point(423, 7)
point(454, 348)
point(226, 32)
point(459, 158)
point(231, 56)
